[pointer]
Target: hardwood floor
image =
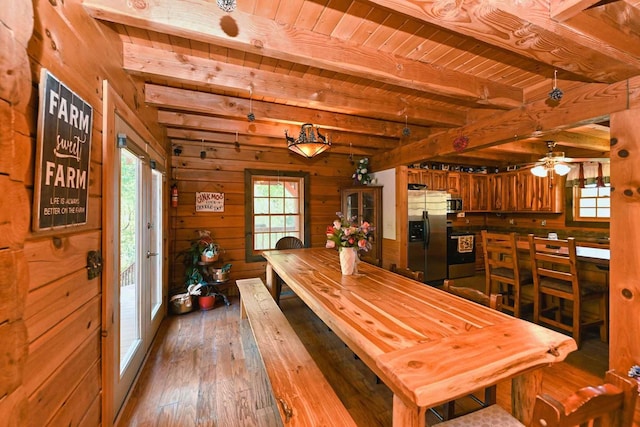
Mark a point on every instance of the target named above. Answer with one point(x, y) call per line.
point(204, 370)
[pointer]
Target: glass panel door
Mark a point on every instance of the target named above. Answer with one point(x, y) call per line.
point(155, 244)
point(130, 262)
point(138, 294)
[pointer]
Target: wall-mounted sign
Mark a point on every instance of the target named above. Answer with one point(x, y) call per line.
point(209, 202)
point(62, 156)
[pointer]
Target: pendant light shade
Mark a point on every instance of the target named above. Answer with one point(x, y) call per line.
point(308, 144)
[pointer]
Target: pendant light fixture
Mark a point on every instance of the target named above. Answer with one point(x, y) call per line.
point(308, 144)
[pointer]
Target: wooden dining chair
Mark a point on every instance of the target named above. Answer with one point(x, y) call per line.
point(493, 301)
point(287, 242)
point(556, 283)
point(415, 275)
point(502, 270)
point(611, 404)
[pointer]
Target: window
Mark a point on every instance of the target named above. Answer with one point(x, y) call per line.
point(276, 207)
point(592, 203)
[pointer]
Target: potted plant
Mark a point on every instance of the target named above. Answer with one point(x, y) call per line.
point(202, 249)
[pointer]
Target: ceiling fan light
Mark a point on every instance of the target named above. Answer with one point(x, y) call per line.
point(539, 171)
point(561, 169)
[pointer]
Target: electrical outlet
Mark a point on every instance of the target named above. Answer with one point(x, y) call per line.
point(511, 221)
point(543, 222)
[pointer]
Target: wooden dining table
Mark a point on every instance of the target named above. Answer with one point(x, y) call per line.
point(426, 345)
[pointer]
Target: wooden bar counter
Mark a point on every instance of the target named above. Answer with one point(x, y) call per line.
point(426, 345)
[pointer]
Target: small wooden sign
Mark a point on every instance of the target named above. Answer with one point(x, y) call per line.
point(62, 157)
point(209, 202)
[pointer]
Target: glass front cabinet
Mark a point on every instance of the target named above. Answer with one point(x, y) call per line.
point(365, 203)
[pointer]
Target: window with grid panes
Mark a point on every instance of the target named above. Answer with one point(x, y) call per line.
point(277, 210)
point(592, 203)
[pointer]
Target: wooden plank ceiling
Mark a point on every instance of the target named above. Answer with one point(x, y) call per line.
point(395, 78)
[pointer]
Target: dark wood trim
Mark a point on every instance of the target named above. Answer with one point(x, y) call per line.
point(250, 256)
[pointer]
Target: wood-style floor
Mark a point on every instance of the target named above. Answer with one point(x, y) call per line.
point(204, 370)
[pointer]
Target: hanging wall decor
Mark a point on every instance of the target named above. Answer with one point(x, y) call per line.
point(63, 152)
point(460, 143)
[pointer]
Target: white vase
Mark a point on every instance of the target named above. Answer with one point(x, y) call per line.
point(349, 261)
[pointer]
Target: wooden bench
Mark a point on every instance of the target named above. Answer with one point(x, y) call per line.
point(303, 395)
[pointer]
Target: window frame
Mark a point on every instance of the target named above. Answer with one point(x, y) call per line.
point(571, 201)
point(249, 174)
point(577, 197)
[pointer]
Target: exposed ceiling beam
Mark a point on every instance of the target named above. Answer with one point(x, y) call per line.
point(561, 10)
point(251, 33)
point(321, 93)
point(210, 123)
point(524, 28)
point(586, 104)
point(238, 108)
point(579, 140)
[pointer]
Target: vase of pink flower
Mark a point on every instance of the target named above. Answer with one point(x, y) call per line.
point(348, 237)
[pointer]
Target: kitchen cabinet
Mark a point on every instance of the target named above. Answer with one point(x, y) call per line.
point(453, 183)
point(365, 203)
point(526, 188)
point(550, 194)
point(438, 180)
point(496, 184)
point(513, 191)
point(478, 192)
point(465, 191)
point(502, 192)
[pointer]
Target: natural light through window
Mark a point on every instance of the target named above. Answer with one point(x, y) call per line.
point(277, 210)
point(593, 203)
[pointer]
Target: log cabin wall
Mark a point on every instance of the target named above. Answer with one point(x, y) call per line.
point(50, 311)
point(222, 170)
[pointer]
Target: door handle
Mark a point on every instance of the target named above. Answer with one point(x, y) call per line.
point(150, 254)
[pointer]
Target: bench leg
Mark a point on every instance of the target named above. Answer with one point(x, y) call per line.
point(243, 311)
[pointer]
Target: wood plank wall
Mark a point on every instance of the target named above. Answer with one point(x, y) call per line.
point(50, 312)
point(223, 171)
point(16, 26)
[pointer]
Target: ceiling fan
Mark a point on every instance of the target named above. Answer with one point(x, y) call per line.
point(556, 162)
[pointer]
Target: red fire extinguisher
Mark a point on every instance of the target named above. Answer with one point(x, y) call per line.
point(174, 196)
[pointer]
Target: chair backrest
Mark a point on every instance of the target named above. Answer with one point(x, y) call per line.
point(493, 301)
point(289, 242)
point(609, 404)
point(554, 259)
point(415, 275)
point(500, 251)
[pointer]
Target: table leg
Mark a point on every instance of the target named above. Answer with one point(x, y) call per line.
point(271, 281)
point(407, 416)
point(524, 389)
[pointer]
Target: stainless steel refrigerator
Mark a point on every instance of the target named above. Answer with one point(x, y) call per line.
point(427, 249)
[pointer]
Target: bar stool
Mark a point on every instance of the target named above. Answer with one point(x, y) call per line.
point(502, 267)
point(556, 281)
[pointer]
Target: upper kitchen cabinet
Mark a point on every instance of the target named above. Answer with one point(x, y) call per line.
point(438, 180)
point(478, 192)
point(365, 204)
point(454, 184)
